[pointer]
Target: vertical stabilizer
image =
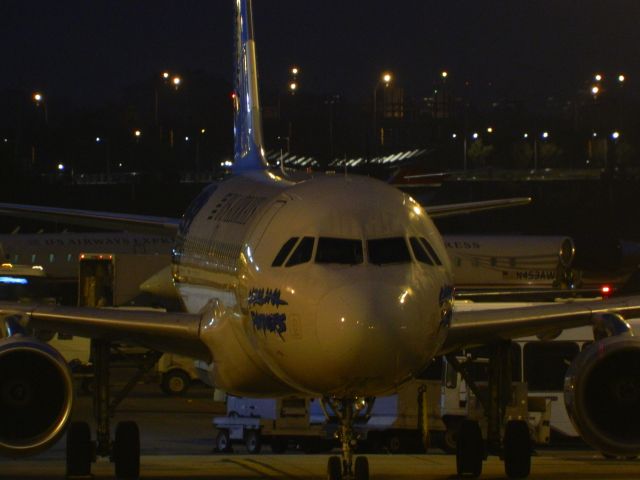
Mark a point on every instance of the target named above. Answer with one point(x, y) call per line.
point(249, 149)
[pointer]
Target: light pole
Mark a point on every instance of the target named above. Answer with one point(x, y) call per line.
point(385, 80)
point(38, 99)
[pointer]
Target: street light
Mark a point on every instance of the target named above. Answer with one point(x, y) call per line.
point(615, 135)
point(386, 79)
point(176, 81)
point(597, 77)
point(38, 99)
point(621, 78)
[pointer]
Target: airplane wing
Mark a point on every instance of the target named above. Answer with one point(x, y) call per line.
point(449, 210)
point(88, 218)
point(481, 327)
point(166, 332)
point(168, 226)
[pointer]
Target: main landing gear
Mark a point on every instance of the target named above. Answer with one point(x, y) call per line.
point(507, 433)
point(344, 467)
point(124, 450)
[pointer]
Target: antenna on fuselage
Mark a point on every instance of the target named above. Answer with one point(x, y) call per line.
point(249, 153)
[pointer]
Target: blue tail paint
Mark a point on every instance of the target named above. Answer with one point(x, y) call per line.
point(249, 149)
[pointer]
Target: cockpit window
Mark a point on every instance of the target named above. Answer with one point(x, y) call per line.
point(302, 253)
point(284, 251)
point(388, 250)
point(339, 250)
point(431, 251)
point(419, 251)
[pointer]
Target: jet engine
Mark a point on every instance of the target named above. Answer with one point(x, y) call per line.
point(36, 394)
point(602, 395)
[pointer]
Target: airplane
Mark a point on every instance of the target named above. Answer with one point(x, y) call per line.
point(479, 262)
point(337, 287)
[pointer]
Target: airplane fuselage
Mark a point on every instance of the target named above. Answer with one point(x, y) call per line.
point(315, 287)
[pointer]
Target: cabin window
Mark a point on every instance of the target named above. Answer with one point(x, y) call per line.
point(419, 252)
point(383, 251)
point(284, 252)
point(345, 251)
point(431, 251)
point(546, 363)
point(302, 253)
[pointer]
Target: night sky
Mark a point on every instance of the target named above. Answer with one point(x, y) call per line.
point(87, 51)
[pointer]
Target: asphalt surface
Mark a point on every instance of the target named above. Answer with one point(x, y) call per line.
point(177, 440)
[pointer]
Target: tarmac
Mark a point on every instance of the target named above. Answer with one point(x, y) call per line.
point(177, 442)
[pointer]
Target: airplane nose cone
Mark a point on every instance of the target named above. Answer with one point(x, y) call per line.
point(372, 336)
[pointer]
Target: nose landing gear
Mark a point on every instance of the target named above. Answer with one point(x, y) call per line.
point(344, 467)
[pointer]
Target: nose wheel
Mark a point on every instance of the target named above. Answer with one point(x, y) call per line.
point(344, 467)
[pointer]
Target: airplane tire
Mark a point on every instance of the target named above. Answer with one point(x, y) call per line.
point(334, 468)
point(175, 382)
point(361, 469)
point(253, 441)
point(223, 442)
point(126, 451)
point(469, 449)
point(517, 449)
point(79, 449)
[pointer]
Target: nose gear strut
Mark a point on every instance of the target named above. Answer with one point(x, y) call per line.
point(345, 410)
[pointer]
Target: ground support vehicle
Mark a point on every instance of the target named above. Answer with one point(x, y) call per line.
point(281, 423)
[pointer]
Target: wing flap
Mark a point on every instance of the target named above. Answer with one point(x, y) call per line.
point(478, 327)
point(89, 218)
point(164, 331)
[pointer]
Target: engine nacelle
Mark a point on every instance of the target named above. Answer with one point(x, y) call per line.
point(602, 395)
point(36, 395)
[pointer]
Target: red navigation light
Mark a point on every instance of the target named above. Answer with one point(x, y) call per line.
point(606, 290)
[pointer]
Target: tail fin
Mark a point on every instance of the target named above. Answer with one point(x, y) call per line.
point(249, 149)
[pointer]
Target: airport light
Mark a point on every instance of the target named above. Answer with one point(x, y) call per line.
point(475, 135)
point(61, 167)
point(166, 75)
point(525, 136)
point(176, 81)
point(597, 77)
point(444, 74)
point(545, 135)
point(595, 90)
point(594, 134)
point(615, 135)
point(38, 97)
point(137, 133)
point(203, 131)
point(98, 140)
point(621, 78)
point(454, 135)
point(295, 71)
point(293, 86)
point(489, 129)
point(386, 78)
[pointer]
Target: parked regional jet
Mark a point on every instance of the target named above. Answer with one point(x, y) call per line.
point(337, 287)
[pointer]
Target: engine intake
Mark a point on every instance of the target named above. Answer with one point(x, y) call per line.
point(36, 395)
point(602, 395)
